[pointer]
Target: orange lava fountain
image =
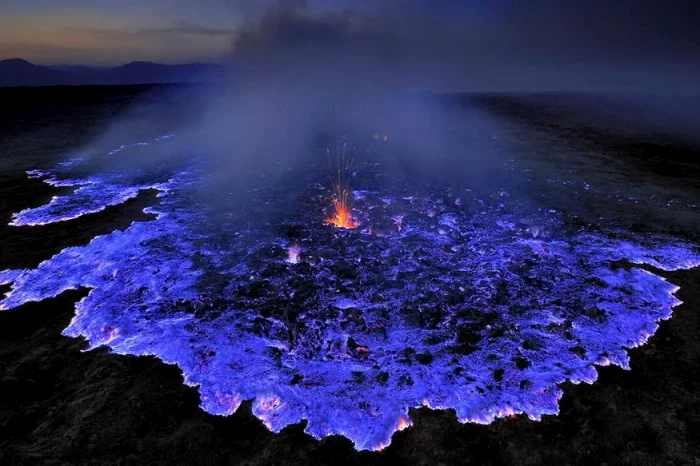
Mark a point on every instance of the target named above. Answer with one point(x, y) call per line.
point(342, 217)
point(341, 205)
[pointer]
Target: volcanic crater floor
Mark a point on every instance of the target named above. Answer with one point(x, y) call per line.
point(382, 312)
point(451, 299)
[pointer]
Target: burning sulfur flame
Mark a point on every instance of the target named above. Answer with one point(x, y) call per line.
point(293, 254)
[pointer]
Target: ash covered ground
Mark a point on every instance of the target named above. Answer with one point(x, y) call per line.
point(457, 291)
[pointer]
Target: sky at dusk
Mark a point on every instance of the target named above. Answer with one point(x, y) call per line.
point(105, 32)
point(601, 38)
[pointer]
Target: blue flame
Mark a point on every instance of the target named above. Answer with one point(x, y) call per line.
point(485, 312)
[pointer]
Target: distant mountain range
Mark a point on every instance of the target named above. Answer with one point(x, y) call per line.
point(18, 72)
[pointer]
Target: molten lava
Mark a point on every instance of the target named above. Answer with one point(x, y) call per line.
point(342, 217)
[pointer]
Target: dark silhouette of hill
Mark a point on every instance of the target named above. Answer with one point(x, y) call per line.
point(18, 72)
point(139, 72)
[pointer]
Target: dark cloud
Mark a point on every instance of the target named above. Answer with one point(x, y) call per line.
point(597, 42)
point(189, 28)
point(178, 29)
point(621, 30)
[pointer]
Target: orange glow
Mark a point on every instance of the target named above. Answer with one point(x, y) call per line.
point(343, 216)
point(403, 423)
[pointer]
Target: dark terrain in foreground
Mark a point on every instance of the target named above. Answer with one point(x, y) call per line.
point(59, 405)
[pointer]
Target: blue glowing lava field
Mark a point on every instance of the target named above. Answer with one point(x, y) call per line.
point(466, 299)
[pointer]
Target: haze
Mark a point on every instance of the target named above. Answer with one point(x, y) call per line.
point(639, 46)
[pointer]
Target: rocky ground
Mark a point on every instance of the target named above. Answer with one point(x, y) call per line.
point(59, 405)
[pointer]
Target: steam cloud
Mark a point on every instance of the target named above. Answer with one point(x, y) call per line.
point(297, 71)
